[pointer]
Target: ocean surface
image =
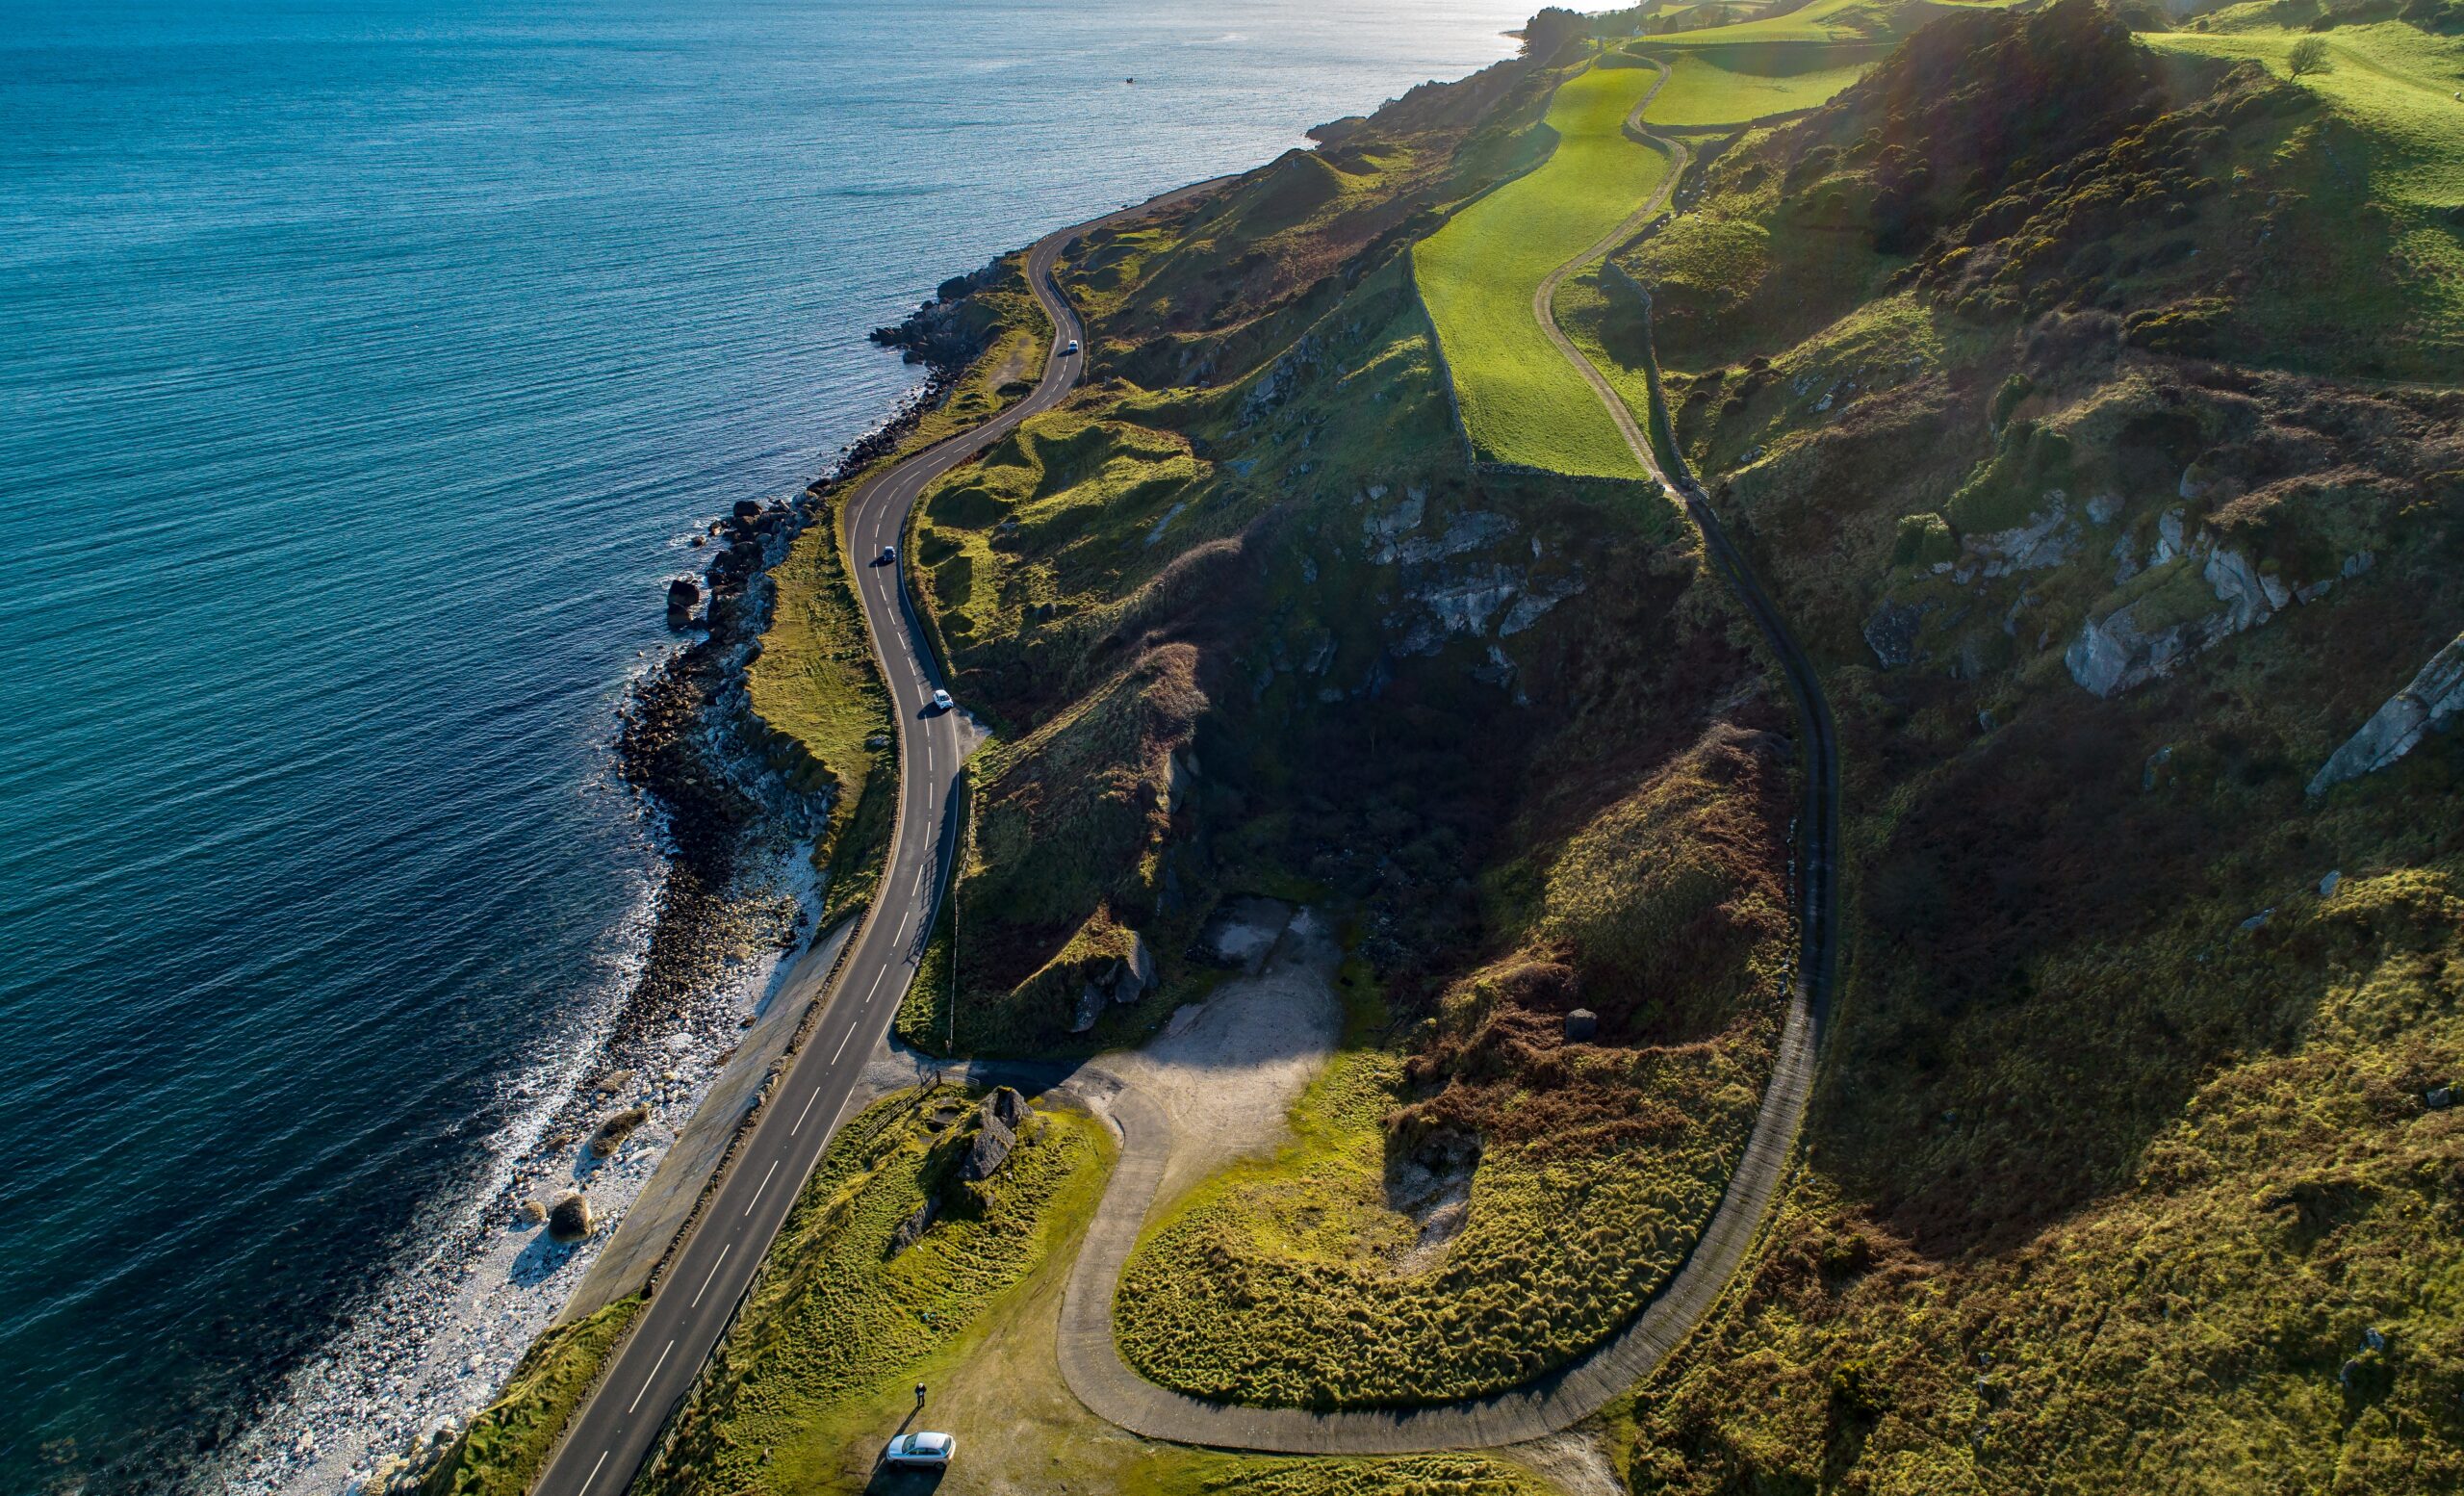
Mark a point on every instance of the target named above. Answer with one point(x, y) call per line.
point(363, 367)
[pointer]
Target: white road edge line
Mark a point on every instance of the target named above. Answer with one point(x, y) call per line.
point(724, 1249)
point(652, 1377)
point(758, 1188)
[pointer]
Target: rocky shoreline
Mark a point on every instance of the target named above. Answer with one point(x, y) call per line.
point(726, 823)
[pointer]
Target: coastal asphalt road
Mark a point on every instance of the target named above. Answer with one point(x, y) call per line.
point(612, 1433)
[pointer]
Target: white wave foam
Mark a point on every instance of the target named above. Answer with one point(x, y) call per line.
point(432, 1346)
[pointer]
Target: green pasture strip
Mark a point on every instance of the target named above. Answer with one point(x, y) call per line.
point(1520, 402)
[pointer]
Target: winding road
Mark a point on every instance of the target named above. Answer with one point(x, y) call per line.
point(650, 1372)
point(1089, 1357)
point(612, 1433)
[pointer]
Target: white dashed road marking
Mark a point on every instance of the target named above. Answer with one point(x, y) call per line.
point(714, 1267)
point(652, 1377)
point(758, 1188)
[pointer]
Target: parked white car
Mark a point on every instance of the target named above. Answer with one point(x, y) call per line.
point(921, 1449)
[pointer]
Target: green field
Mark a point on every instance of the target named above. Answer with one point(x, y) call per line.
point(2396, 81)
point(1824, 21)
point(1520, 402)
point(1734, 83)
point(2386, 165)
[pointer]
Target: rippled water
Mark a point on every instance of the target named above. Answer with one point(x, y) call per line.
point(361, 367)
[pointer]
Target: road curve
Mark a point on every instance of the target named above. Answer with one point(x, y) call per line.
point(608, 1438)
point(1089, 1357)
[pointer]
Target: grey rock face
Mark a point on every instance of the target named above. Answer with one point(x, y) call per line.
point(1006, 1103)
point(1384, 530)
point(1142, 975)
point(2047, 540)
point(1891, 633)
point(990, 1149)
point(911, 1229)
point(2120, 650)
point(1090, 1006)
point(2435, 693)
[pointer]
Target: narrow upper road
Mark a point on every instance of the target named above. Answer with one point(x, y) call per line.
point(1090, 1357)
point(611, 1433)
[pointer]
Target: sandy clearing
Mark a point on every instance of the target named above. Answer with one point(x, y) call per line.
point(1227, 1070)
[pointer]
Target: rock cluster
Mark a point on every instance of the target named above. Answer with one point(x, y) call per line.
point(1124, 981)
point(2149, 637)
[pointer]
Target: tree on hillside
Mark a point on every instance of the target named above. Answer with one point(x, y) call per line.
point(2310, 56)
point(1550, 30)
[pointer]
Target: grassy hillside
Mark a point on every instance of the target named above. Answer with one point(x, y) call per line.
point(818, 1374)
point(1520, 403)
point(804, 1391)
point(2123, 1171)
point(2087, 397)
point(1733, 83)
point(1457, 1217)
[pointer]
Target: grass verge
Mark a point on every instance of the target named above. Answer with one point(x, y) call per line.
point(506, 1446)
point(801, 1392)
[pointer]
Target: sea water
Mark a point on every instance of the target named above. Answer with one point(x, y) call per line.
point(363, 367)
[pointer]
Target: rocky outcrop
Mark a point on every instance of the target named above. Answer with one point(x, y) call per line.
point(2149, 637)
point(990, 1149)
point(1090, 1008)
point(1124, 979)
point(2112, 654)
point(2435, 693)
point(1009, 1105)
point(683, 595)
point(1891, 633)
point(2047, 540)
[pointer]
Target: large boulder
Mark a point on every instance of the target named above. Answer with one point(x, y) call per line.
point(911, 1229)
point(1009, 1105)
point(683, 595)
point(613, 1132)
point(571, 1219)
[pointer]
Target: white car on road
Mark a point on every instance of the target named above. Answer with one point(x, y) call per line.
point(941, 701)
point(1071, 348)
point(921, 1449)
